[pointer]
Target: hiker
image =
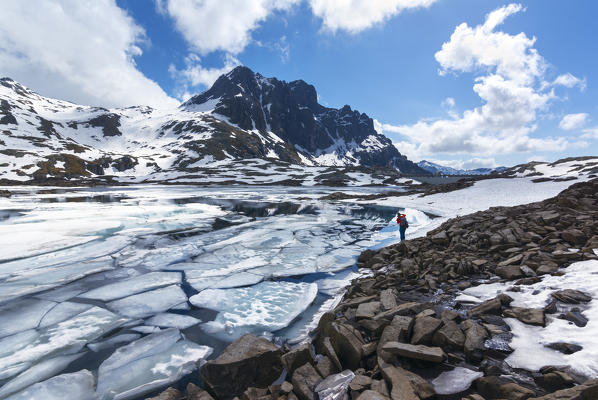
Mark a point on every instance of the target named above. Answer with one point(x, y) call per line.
point(403, 224)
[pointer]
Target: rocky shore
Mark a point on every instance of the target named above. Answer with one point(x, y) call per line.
point(400, 334)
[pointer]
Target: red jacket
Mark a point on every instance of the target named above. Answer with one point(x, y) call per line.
point(401, 216)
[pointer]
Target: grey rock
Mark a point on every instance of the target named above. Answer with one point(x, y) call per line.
point(424, 329)
point(297, 357)
point(305, 379)
point(418, 352)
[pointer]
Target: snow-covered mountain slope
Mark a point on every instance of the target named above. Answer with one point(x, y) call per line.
point(444, 170)
point(45, 139)
point(564, 169)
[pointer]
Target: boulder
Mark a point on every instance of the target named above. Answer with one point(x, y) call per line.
point(530, 316)
point(249, 361)
point(492, 306)
point(571, 296)
point(367, 310)
point(494, 387)
point(305, 379)
point(329, 351)
point(424, 329)
point(509, 272)
point(254, 393)
point(372, 395)
point(554, 380)
point(380, 387)
point(401, 389)
point(388, 299)
point(360, 383)
point(585, 391)
point(297, 357)
point(168, 394)
point(325, 367)
point(404, 309)
point(574, 237)
point(565, 348)
point(511, 260)
point(450, 335)
point(347, 342)
point(194, 392)
point(418, 352)
point(440, 238)
point(475, 334)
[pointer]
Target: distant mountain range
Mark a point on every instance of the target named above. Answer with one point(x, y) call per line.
point(443, 170)
point(242, 116)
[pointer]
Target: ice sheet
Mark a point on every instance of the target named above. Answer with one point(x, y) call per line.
point(133, 285)
point(169, 320)
point(148, 364)
point(267, 306)
point(77, 385)
point(455, 381)
point(22, 315)
point(149, 303)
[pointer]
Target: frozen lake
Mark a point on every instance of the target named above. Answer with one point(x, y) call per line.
point(96, 278)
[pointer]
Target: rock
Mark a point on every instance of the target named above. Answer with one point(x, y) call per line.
point(404, 309)
point(553, 381)
point(372, 395)
point(373, 325)
point(249, 361)
point(347, 342)
point(367, 310)
point(380, 387)
point(493, 387)
point(297, 357)
point(305, 379)
point(286, 387)
point(574, 237)
point(254, 393)
point(335, 387)
point(571, 296)
point(401, 389)
point(194, 392)
point(474, 396)
point(360, 383)
point(388, 299)
point(509, 272)
point(418, 352)
point(328, 350)
point(547, 269)
point(450, 335)
point(530, 316)
point(325, 367)
point(492, 306)
point(168, 394)
point(586, 391)
point(449, 315)
point(424, 329)
point(440, 238)
point(511, 261)
point(475, 334)
point(575, 316)
point(565, 348)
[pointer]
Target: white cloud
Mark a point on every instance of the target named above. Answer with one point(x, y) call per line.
point(194, 74)
point(573, 121)
point(212, 25)
point(355, 16)
point(590, 133)
point(82, 51)
point(570, 81)
point(510, 81)
point(449, 102)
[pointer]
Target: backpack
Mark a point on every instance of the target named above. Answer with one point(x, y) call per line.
point(404, 224)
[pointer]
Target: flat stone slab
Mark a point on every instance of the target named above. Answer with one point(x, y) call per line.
point(418, 352)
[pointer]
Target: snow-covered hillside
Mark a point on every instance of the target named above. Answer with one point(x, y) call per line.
point(444, 170)
point(47, 139)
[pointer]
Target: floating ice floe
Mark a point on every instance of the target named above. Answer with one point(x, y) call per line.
point(40, 371)
point(77, 385)
point(66, 337)
point(148, 364)
point(149, 303)
point(113, 341)
point(133, 286)
point(267, 306)
point(21, 315)
point(169, 320)
point(455, 381)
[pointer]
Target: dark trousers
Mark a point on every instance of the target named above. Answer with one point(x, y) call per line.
point(402, 230)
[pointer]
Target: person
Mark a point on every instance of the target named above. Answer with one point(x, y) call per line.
point(403, 224)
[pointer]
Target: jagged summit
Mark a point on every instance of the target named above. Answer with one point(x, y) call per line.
point(290, 110)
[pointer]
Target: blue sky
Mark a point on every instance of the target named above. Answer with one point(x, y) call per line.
point(520, 85)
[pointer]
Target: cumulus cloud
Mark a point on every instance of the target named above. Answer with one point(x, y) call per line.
point(214, 25)
point(82, 51)
point(354, 16)
point(590, 133)
point(573, 121)
point(194, 74)
point(509, 79)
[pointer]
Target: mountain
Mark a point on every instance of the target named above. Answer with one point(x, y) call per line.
point(443, 170)
point(243, 116)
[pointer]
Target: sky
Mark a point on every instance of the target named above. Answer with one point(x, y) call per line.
point(465, 83)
